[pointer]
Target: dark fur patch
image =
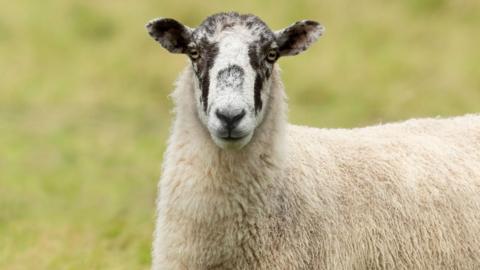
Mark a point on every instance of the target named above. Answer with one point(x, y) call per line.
point(263, 69)
point(297, 37)
point(293, 37)
point(227, 26)
point(202, 66)
point(257, 93)
point(171, 34)
point(231, 77)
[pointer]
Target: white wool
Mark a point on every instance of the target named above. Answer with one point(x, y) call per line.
point(396, 196)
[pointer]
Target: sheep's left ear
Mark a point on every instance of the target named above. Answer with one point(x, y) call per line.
point(171, 34)
point(298, 37)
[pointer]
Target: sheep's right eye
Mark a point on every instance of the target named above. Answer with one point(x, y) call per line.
point(194, 53)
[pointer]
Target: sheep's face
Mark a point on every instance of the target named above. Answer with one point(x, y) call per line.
point(233, 57)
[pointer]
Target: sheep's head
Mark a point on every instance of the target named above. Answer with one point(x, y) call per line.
point(233, 57)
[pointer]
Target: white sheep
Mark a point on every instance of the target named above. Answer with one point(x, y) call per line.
point(242, 189)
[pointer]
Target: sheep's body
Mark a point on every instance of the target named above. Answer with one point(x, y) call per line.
point(396, 196)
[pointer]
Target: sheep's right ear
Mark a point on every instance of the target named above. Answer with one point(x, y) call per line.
point(171, 34)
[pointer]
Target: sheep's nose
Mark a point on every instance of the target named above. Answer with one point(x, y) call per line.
point(230, 120)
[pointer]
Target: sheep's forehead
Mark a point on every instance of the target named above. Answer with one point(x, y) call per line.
point(251, 28)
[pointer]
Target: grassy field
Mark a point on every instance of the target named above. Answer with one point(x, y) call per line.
point(84, 108)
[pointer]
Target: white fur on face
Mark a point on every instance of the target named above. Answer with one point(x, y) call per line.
point(231, 89)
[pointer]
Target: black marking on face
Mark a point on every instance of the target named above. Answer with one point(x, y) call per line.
point(257, 93)
point(263, 69)
point(208, 52)
point(231, 77)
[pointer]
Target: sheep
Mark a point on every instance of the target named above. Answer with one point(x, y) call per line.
point(243, 189)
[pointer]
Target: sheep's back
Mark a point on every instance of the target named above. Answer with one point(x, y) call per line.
point(403, 195)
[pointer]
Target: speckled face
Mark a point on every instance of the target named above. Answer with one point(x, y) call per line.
point(233, 56)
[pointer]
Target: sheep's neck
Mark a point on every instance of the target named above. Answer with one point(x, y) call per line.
point(206, 189)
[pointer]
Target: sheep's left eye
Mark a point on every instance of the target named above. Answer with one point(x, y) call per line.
point(272, 55)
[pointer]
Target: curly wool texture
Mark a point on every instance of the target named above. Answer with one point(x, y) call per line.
point(395, 196)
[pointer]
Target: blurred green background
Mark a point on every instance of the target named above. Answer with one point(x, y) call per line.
point(84, 107)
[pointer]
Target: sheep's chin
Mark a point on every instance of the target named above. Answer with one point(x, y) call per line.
point(232, 144)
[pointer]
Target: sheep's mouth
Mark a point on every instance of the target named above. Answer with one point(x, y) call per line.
point(232, 135)
point(231, 138)
point(232, 141)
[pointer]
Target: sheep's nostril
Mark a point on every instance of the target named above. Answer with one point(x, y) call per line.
point(228, 119)
point(239, 116)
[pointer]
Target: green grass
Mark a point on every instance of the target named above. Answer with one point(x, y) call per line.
point(84, 112)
